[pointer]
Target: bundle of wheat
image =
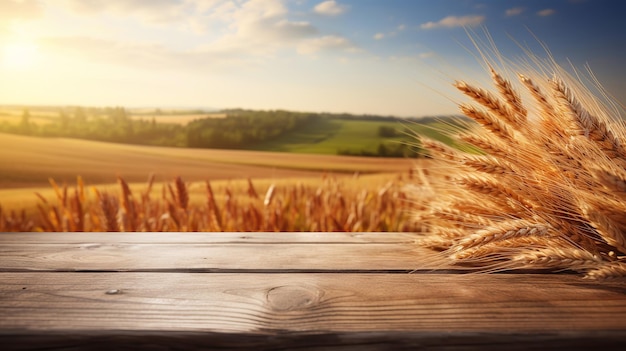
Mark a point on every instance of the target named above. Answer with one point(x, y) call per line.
point(547, 189)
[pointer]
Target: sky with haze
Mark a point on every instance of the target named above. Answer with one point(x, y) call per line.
point(389, 57)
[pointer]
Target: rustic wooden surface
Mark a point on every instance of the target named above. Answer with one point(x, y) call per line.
point(280, 291)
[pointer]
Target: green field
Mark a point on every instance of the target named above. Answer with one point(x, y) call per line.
point(306, 155)
point(28, 162)
point(328, 136)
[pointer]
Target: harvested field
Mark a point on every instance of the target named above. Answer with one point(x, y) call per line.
point(30, 161)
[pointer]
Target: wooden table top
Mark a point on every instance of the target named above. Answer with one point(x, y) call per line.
point(283, 291)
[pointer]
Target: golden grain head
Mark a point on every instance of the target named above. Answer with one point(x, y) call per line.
point(329, 206)
point(550, 188)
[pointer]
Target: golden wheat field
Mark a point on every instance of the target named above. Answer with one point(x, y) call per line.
point(78, 185)
point(30, 161)
point(370, 203)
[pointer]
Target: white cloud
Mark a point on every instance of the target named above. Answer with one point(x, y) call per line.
point(546, 12)
point(141, 55)
point(205, 5)
point(262, 9)
point(104, 50)
point(236, 34)
point(15, 13)
point(514, 11)
point(223, 12)
point(249, 33)
point(290, 30)
point(330, 8)
point(259, 27)
point(382, 35)
point(152, 11)
point(326, 43)
point(454, 21)
point(426, 55)
point(22, 9)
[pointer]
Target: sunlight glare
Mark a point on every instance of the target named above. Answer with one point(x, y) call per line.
point(19, 56)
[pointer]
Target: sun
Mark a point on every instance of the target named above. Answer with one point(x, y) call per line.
point(19, 56)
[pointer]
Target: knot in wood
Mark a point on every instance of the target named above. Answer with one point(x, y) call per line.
point(292, 297)
point(90, 246)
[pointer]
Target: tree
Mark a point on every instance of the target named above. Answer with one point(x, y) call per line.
point(64, 120)
point(382, 150)
point(25, 125)
point(387, 132)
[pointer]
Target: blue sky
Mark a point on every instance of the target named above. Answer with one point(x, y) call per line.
point(391, 57)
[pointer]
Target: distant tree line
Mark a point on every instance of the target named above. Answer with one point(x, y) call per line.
point(399, 149)
point(240, 129)
point(388, 132)
point(112, 124)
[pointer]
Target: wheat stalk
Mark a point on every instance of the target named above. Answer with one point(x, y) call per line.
point(547, 193)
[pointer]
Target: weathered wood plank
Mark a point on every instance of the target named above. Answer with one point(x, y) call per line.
point(43, 308)
point(208, 237)
point(211, 252)
point(212, 257)
point(256, 303)
point(273, 303)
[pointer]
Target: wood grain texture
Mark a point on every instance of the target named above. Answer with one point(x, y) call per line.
point(280, 291)
point(208, 237)
point(100, 305)
point(204, 257)
point(259, 303)
point(213, 252)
